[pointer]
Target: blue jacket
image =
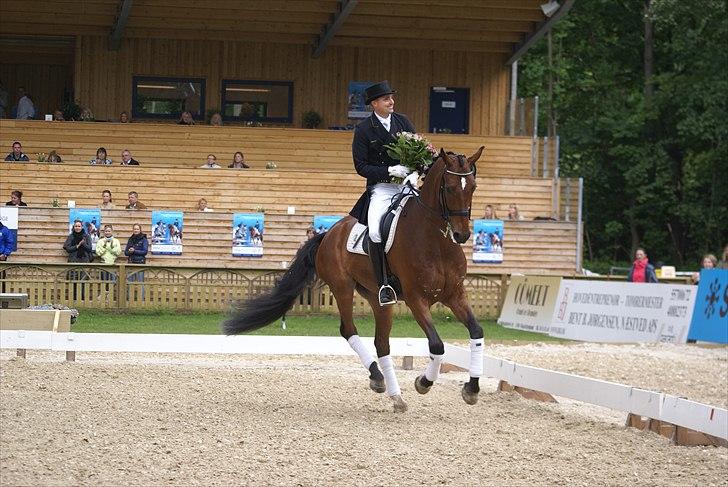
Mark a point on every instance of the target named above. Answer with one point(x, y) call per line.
point(7, 241)
point(140, 246)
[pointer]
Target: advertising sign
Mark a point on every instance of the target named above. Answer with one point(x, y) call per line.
point(9, 218)
point(167, 232)
point(357, 107)
point(248, 231)
point(322, 223)
point(710, 317)
point(530, 302)
point(488, 241)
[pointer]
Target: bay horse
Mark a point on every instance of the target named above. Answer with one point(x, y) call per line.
point(425, 256)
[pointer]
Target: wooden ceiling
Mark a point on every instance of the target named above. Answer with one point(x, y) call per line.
point(498, 26)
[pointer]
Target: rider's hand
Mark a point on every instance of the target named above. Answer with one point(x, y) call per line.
point(413, 179)
point(398, 171)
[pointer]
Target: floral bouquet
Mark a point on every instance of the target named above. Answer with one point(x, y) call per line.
point(412, 151)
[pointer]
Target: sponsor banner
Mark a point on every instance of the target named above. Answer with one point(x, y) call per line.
point(248, 234)
point(322, 223)
point(9, 218)
point(357, 107)
point(167, 232)
point(602, 311)
point(710, 317)
point(529, 303)
point(91, 219)
point(488, 241)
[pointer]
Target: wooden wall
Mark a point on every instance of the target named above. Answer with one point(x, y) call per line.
point(103, 78)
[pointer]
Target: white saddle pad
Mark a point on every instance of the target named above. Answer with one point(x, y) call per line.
point(356, 236)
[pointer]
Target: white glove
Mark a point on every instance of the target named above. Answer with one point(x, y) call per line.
point(413, 179)
point(398, 171)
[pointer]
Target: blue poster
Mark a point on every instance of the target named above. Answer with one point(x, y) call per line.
point(357, 107)
point(248, 234)
point(488, 241)
point(9, 219)
point(91, 219)
point(710, 316)
point(322, 223)
point(167, 232)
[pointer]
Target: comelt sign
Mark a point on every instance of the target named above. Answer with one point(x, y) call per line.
point(529, 303)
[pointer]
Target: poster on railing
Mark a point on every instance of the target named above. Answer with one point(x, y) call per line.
point(248, 231)
point(626, 312)
point(322, 223)
point(9, 220)
point(357, 106)
point(529, 303)
point(167, 229)
point(488, 241)
point(91, 220)
point(710, 317)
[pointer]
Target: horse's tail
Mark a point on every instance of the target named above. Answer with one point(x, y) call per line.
point(266, 308)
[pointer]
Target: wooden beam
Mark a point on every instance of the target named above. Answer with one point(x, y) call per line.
point(540, 31)
point(117, 31)
point(329, 31)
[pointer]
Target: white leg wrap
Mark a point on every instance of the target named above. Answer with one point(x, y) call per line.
point(476, 357)
point(389, 378)
point(366, 356)
point(432, 371)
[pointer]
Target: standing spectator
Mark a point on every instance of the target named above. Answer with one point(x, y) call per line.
point(3, 100)
point(134, 203)
point(513, 213)
point(216, 119)
point(16, 199)
point(108, 248)
point(26, 109)
point(17, 154)
point(490, 213)
point(186, 119)
point(127, 160)
point(124, 117)
point(642, 270)
point(106, 200)
point(202, 205)
point(723, 264)
point(54, 157)
point(58, 116)
point(238, 161)
point(137, 246)
point(7, 242)
point(709, 262)
point(211, 162)
point(101, 159)
point(78, 244)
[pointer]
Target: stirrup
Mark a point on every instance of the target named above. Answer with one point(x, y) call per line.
point(383, 292)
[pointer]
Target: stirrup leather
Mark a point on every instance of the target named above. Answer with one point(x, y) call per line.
point(383, 293)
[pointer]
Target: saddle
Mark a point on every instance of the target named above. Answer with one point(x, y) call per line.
point(358, 241)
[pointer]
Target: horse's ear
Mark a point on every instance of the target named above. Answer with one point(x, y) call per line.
point(472, 159)
point(442, 154)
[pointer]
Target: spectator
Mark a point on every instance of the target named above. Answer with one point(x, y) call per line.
point(238, 161)
point(101, 159)
point(216, 119)
point(106, 200)
point(137, 246)
point(54, 157)
point(202, 205)
point(16, 199)
point(17, 154)
point(723, 264)
point(490, 213)
point(58, 116)
point(78, 244)
point(134, 203)
point(642, 270)
point(310, 233)
point(108, 248)
point(127, 159)
point(7, 242)
point(3, 100)
point(709, 262)
point(186, 119)
point(124, 117)
point(86, 115)
point(211, 162)
point(513, 213)
point(26, 109)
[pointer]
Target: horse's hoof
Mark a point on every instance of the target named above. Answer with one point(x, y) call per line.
point(468, 396)
point(377, 385)
point(420, 387)
point(399, 405)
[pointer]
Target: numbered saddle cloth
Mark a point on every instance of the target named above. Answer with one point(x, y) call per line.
point(358, 241)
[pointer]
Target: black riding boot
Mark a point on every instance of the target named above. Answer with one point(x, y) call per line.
point(386, 293)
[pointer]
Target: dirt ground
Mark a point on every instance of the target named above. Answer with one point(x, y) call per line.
point(154, 419)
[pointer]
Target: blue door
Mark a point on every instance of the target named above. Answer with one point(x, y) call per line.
point(449, 110)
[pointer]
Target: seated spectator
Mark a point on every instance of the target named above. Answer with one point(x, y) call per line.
point(17, 154)
point(78, 244)
point(108, 248)
point(106, 201)
point(709, 261)
point(202, 205)
point(7, 242)
point(101, 159)
point(86, 115)
point(513, 213)
point(641, 270)
point(186, 119)
point(490, 213)
point(58, 116)
point(124, 117)
point(54, 157)
point(134, 203)
point(137, 246)
point(127, 159)
point(238, 161)
point(16, 199)
point(211, 162)
point(26, 109)
point(310, 232)
point(216, 120)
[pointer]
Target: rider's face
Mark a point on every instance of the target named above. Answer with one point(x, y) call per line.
point(384, 105)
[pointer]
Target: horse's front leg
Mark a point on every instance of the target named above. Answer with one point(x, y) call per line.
point(421, 312)
point(383, 327)
point(464, 314)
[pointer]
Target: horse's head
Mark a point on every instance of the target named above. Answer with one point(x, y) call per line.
point(451, 181)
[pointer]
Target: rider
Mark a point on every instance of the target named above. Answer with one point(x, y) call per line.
point(372, 162)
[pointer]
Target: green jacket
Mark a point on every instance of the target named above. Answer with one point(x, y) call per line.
point(108, 251)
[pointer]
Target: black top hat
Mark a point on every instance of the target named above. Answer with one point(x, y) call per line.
point(375, 91)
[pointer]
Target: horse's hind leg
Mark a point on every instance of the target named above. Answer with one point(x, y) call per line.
point(464, 313)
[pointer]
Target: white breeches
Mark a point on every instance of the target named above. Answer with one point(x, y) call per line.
point(380, 198)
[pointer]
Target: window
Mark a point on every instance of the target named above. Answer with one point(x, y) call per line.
point(263, 101)
point(158, 97)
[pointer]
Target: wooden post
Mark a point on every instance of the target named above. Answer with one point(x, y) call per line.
point(20, 353)
point(121, 287)
point(70, 356)
point(407, 363)
point(504, 386)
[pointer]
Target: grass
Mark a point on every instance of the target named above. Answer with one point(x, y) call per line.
point(111, 321)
